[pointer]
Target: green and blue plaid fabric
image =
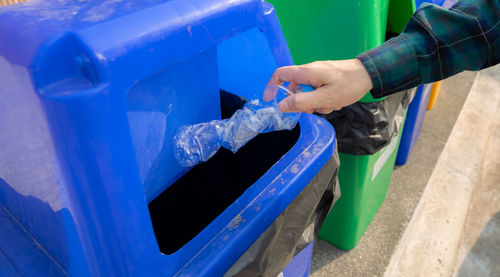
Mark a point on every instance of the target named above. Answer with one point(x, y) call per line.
point(436, 43)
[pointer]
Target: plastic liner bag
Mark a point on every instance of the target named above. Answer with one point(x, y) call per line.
point(198, 143)
point(365, 128)
point(294, 229)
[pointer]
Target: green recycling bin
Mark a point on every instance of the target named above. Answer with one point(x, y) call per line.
point(400, 13)
point(366, 165)
point(364, 180)
point(332, 29)
point(342, 29)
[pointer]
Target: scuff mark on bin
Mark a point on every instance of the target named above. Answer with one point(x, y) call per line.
point(100, 56)
point(317, 149)
point(295, 169)
point(46, 10)
point(272, 191)
point(236, 222)
point(102, 11)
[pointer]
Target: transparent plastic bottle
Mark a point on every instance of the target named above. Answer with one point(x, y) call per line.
point(199, 142)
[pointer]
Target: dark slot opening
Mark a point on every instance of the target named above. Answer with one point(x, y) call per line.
point(196, 199)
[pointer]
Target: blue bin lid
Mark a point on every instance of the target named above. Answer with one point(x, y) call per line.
point(206, 22)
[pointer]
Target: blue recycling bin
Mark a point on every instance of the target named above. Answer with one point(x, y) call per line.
point(418, 106)
point(415, 116)
point(443, 3)
point(91, 94)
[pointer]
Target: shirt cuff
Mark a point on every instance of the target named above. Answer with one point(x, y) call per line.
point(392, 66)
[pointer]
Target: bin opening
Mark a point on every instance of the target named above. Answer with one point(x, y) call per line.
point(202, 194)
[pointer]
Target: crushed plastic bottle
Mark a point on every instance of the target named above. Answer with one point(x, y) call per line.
point(199, 142)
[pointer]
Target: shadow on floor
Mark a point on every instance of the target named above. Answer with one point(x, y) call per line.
point(324, 253)
point(483, 259)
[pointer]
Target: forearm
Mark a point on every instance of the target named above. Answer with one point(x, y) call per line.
point(436, 43)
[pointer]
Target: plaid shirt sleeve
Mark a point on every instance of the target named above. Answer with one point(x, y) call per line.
point(436, 43)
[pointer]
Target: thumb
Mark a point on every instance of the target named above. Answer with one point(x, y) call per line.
point(300, 102)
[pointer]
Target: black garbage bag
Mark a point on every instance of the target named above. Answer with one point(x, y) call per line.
point(294, 229)
point(365, 128)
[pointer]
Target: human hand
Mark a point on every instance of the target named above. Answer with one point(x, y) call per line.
point(337, 84)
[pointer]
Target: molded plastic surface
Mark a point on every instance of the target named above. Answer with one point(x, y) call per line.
point(413, 124)
point(436, 88)
point(91, 94)
point(332, 29)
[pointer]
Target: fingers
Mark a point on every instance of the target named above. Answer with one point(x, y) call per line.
point(308, 102)
point(301, 102)
point(295, 74)
point(325, 110)
point(270, 93)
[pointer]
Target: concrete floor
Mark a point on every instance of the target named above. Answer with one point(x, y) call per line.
point(374, 251)
point(479, 254)
point(479, 251)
